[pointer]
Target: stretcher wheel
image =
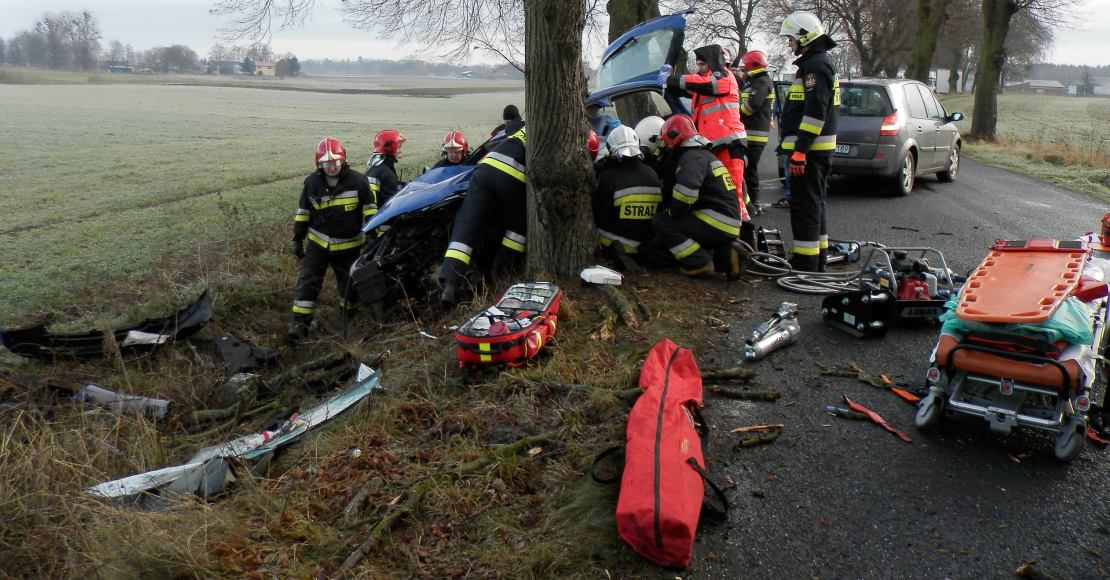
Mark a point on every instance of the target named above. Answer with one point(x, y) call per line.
point(1069, 443)
point(929, 411)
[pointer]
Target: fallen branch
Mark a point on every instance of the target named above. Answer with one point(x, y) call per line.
point(758, 428)
point(758, 439)
point(640, 305)
point(620, 304)
point(744, 395)
point(604, 329)
point(1031, 570)
point(731, 374)
point(412, 501)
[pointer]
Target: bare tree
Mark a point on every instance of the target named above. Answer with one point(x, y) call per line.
point(116, 53)
point(730, 23)
point(56, 31)
point(85, 34)
point(931, 17)
point(997, 18)
point(3, 52)
point(959, 42)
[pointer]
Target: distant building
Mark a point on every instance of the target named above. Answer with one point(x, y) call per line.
point(468, 74)
point(1033, 87)
point(265, 68)
point(119, 68)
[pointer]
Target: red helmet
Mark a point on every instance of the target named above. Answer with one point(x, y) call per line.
point(330, 149)
point(593, 144)
point(455, 140)
point(754, 60)
point(388, 142)
point(676, 130)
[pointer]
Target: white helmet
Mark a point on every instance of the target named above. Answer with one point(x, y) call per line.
point(648, 131)
point(803, 27)
point(623, 142)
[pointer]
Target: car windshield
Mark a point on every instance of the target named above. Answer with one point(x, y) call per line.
point(640, 56)
point(864, 101)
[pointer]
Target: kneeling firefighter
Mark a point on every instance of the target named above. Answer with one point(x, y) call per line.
point(626, 199)
point(495, 201)
point(702, 224)
point(335, 202)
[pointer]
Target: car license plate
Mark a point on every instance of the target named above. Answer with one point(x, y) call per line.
point(843, 149)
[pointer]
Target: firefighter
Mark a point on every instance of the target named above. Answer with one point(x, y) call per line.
point(809, 136)
point(335, 202)
point(381, 171)
point(495, 201)
point(648, 132)
point(511, 122)
point(716, 109)
point(756, 100)
point(627, 197)
point(455, 150)
point(702, 224)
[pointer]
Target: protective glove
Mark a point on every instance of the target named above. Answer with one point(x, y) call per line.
point(664, 74)
point(298, 249)
point(798, 163)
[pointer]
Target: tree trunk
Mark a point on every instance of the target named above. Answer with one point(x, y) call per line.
point(623, 15)
point(561, 233)
point(931, 15)
point(996, 24)
point(954, 69)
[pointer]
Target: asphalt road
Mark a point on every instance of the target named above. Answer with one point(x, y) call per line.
point(834, 498)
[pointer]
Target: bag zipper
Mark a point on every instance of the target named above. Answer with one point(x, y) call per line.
point(658, 442)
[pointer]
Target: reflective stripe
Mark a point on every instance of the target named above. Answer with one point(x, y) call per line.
point(746, 109)
point(514, 241)
point(505, 164)
point(728, 139)
point(303, 306)
point(302, 215)
point(755, 71)
point(685, 249)
point(719, 221)
point(823, 242)
point(346, 198)
point(807, 248)
point(369, 210)
point(758, 136)
point(334, 244)
point(713, 84)
point(607, 238)
point(684, 194)
point(812, 125)
point(707, 100)
point(484, 347)
point(457, 255)
point(721, 107)
point(824, 143)
point(797, 93)
point(645, 193)
point(787, 143)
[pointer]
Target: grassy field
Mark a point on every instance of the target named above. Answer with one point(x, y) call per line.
point(102, 184)
point(1064, 140)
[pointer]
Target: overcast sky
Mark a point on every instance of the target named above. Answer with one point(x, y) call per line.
point(147, 23)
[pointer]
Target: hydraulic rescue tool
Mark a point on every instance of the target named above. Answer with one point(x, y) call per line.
point(782, 329)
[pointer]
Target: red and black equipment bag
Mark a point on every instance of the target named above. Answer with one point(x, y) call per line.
point(513, 330)
point(663, 485)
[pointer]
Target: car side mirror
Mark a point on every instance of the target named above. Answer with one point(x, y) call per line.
point(956, 117)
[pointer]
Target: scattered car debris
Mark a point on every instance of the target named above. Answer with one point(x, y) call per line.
point(243, 356)
point(146, 406)
point(36, 342)
point(845, 413)
point(782, 329)
point(208, 472)
point(876, 419)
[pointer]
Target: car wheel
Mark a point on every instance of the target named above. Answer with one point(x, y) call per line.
point(903, 180)
point(949, 173)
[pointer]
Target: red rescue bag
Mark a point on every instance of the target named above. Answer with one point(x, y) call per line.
point(663, 485)
point(513, 330)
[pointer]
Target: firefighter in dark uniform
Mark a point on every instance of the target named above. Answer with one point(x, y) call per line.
point(455, 150)
point(702, 224)
point(495, 200)
point(334, 204)
point(809, 137)
point(381, 170)
point(627, 198)
point(756, 99)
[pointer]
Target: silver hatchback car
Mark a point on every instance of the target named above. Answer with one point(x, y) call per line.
point(895, 129)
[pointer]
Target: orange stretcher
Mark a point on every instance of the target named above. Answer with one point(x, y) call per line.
point(1022, 281)
point(1015, 380)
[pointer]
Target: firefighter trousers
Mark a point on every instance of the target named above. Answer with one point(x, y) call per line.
point(484, 215)
point(732, 156)
point(751, 171)
point(690, 240)
point(807, 213)
point(314, 267)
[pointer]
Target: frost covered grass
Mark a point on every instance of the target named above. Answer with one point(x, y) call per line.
point(104, 183)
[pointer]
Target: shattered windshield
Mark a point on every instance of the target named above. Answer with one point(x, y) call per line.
point(641, 55)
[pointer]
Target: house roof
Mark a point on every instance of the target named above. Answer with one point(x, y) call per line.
point(1035, 84)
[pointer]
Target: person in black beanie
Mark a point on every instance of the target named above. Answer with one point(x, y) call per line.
point(511, 122)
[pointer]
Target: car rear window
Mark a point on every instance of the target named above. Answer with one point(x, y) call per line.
point(864, 101)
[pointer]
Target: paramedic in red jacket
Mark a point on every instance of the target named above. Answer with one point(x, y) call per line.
point(715, 98)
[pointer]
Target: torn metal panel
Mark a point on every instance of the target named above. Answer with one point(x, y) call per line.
point(97, 395)
point(36, 342)
point(200, 473)
point(241, 355)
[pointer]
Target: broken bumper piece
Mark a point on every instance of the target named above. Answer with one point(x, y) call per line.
point(36, 342)
point(208, 472)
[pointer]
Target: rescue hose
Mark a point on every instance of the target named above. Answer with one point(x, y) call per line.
point(771, 266)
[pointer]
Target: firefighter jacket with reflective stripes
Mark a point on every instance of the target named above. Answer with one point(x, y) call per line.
point(627, 197)
point(503, 167)
point(756, 100)
point(715, 100)
point(332, 216)
point(704, 187)
point(382, 177)
point(810, 111)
